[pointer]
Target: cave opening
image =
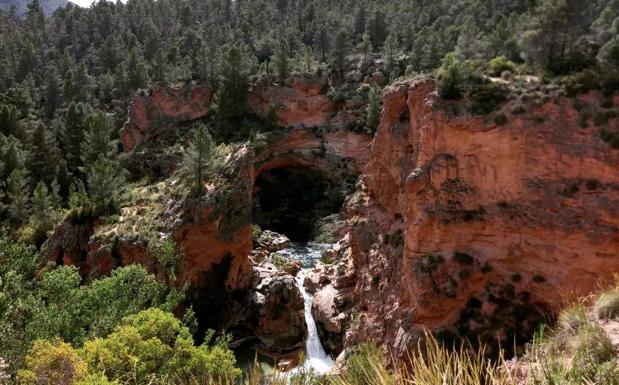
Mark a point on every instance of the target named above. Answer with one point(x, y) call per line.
point(292, 200)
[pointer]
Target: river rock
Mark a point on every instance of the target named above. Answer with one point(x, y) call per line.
point(272, 241)
point(330, 308)
point(279, 309)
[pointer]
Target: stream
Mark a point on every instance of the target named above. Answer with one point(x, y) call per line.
point(317, 360)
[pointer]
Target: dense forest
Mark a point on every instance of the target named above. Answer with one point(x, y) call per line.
point(65, 79)
point(66, 82)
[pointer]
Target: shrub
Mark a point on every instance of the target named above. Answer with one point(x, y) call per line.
point(450, 78)
point(500, 64)
point(500, 119)
point(153, 344)
point(485, 98)
point(517, 110)
point(607, 305)
point(592, 347)
point(580, 82)
point(52, 363)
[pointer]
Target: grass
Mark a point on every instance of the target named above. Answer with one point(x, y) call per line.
point(607, 304)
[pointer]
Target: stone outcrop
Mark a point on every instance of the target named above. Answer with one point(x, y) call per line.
point(281, 327)
point(473, 229)
point(303, 103)
point(272, 316)
point(157, 110)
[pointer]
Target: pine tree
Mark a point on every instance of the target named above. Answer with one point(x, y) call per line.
point(234, 86)
point(69, 85)
point(468, 46)
point(373, 111)
point(73, 134)
point(105, 181)
point(9, 120)
point(53, 94)
point(12, 158)
point(281, 60)
point(390, 52)
point(42, 217)
point(365, 47)
point(553, 32)
point(18, 197)
point(44, 153)
point(82, 82)
point(97, 138)
point(340, 50)
point(78, 197)
point(323, 42)
point(197, 160)
point(376, 27)
point(137, 71)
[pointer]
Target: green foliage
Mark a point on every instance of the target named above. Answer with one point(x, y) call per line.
point(198, 165)
point(281, 60)
point(105, 181)
point(234, 86)
point(485, 98)
point(450, 78)
point(153, 345)
point(97, 138)
point(500, 64)
point(52, 363)
point(457, 79)
point(45, 303)
point(148, 347)
point(373, 111)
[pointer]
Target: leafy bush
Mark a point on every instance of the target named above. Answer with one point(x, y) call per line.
point(450, 79)
point(456, 79)
point(500, 64)
point(580, 82)
point(153, 345)
point(39, 302)
point(485, 98)
point(52, 363)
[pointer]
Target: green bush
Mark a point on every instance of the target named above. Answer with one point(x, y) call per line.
point(580, 83)
point(485, 98)
point(153, 345)
point(52, 363)
point(500, 64)
point(500, 119)
point(450, 79)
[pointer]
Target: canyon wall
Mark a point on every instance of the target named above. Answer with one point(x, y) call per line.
point(472, 229)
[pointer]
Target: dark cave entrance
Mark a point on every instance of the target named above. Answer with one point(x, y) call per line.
point(292, 200)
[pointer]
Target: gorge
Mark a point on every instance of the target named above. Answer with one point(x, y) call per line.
point(456, 224)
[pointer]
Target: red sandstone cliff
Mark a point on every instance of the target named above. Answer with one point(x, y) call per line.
point(476, 230)
point(162, 108)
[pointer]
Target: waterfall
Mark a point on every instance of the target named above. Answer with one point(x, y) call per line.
point(316, 358)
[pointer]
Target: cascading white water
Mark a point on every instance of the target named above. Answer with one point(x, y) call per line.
point(316, 359)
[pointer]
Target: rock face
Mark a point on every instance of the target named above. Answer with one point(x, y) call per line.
point(159, 109)
point(473, 230)
point(301, 103)
point(281, 328)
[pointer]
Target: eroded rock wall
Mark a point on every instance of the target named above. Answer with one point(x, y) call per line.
point(476, 230)
point(157, 110)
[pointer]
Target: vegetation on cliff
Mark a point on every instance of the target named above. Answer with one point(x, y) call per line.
point(66, 84)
